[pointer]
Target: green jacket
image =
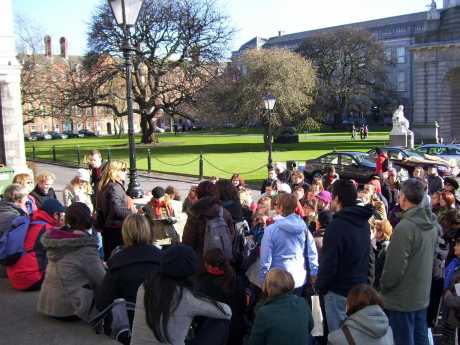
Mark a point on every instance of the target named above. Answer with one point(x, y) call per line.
point(406, 278)
point(285, 320)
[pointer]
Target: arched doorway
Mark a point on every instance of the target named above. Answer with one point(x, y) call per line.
point(109, 128)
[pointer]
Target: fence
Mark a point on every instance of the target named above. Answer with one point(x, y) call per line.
point(78, 160)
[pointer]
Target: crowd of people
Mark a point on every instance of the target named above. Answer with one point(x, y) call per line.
point(313, 260)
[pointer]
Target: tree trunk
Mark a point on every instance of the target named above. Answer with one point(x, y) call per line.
point(148, 129)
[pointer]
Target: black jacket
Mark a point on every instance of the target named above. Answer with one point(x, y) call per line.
point(234, 208)
point(127, 271)
point(96, 175)
point(212, 286)
point(347, 256)
point(112, 206)
point(40, 196)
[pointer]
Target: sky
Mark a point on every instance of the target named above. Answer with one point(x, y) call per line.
point(250, 18)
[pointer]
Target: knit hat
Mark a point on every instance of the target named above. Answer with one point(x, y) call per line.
point(158, 192)
point(179, 261)
point(52, 206)
point(325, 196)
point(83, 175)
point(453, 182)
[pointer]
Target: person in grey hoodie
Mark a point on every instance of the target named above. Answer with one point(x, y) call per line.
point(367, 323)
point(287, 243)
point(406, 278)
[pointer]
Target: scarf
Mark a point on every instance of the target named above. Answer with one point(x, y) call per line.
point(159, 207)
point(214, 271)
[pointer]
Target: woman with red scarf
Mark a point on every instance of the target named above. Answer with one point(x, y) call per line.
point(220, 283)
point(162, 218)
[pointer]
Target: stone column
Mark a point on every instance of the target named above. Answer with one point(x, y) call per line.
point(12, 151)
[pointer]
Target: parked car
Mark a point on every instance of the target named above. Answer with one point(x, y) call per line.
point(87, 133)
point(57, 135)
point(445, 151)
point(358, 166)
point(71, 134)
point(401, 157)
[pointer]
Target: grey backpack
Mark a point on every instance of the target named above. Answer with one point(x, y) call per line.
point(217, 235)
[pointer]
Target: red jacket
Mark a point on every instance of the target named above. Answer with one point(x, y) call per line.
point(379, 163)
point(31, 267)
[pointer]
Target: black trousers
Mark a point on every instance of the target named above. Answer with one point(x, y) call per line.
point(111, 238)
point(211, 332)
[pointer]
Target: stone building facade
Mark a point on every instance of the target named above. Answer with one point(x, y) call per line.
point(424, 48)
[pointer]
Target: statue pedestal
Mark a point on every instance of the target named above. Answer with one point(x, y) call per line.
point(405, 140)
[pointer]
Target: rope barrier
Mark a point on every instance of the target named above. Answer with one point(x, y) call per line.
point(176, 165)
point(231, 173)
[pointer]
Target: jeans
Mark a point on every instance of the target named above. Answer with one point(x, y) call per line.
point(409, 328)
point(336, 310)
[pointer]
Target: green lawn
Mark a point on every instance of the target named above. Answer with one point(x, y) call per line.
point(224, 153)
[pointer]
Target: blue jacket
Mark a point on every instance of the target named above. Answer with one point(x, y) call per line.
point(283, 246)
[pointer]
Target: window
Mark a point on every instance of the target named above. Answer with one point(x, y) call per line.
point(401, 81)
point(388, 54)
point(347, 160)
point(329, 159)
point(401, 54)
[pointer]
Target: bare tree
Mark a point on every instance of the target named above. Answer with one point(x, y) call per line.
point(351, 71)
point(178, 46)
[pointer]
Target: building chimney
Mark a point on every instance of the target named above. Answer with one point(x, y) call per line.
point(48, 52)
point(63, 45)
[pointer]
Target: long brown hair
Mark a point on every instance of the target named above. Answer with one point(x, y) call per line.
point(110, 173)
point(362, 296)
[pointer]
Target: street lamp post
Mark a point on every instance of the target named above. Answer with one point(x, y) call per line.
point(126, 13)
point(269, 103)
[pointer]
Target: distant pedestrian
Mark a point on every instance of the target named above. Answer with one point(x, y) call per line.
point(407, 273)
point(353, 132)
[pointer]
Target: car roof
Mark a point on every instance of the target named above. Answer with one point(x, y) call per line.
point(353, 153)
point(441, 145)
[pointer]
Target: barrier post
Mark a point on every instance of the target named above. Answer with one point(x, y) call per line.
point(54, 153)
point(201, 167)
point(34, 153)
point(149, 161)
point(78, 155)
point(109, 154)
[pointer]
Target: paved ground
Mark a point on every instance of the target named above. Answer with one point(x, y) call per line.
point(22, 325)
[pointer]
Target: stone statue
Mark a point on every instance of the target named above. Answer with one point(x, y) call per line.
point(400, 123)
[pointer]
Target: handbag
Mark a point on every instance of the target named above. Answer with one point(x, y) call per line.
point(318, 330)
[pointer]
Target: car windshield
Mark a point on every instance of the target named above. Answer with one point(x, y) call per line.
point(412, 153)
point(363, 157)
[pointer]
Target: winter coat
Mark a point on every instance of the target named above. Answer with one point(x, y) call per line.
point(127, 270)
point(112, 206)
point(30, 268)
point(70, 197)
point(164, 232)
point(8, 211)
point(212, 286)
point(369, 326)
point(347, 255)
point(406, 278)
point(180, 215)
point(284, 320)
point(40, 196)
point(390, 194)
point(96, 175)
point(179, 321)
point(327, 183)
point(379, 163)
point(74, 270)
point(194, 230)
point(234, 208)
point(381, 248)
point(283, 246)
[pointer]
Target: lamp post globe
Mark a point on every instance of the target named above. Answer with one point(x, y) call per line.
point(269, 102)
point(125, 13)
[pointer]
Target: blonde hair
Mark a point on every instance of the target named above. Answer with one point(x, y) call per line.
point(277, 282)
point(385, 228)
point(86, 185)
point(110, 173)
point(22, 179)
point(45, 175)
point(136, 231)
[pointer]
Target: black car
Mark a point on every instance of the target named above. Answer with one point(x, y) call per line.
point(71, 134)
point(397, 151)
point(358, 166)
point(57, 135)
point(86, 133)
